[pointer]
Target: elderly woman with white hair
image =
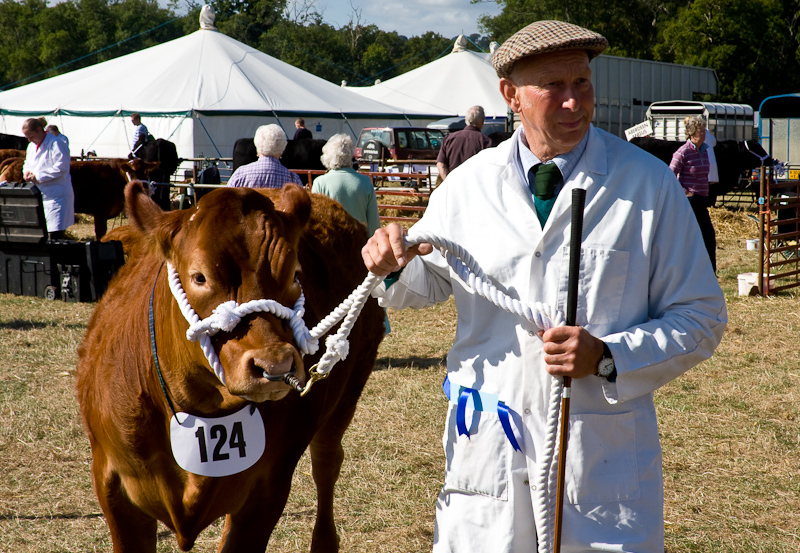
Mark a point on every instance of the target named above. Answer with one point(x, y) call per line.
point(690, 163)
point(351, 189)
point(266, 171)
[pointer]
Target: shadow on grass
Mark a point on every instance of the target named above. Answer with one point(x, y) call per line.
point(384, 363)
point(37, 325)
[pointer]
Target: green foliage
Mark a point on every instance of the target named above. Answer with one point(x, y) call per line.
point(750, 44)
point(631, 26)
point(40, 41)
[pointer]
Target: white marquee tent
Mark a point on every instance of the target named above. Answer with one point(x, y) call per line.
point(448, 86)
point(202, 92)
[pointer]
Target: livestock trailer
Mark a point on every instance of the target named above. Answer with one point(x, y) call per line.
point(725, 121)
point(624, 88)
point(779, 129)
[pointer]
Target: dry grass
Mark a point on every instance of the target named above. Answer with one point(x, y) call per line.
point(729, 429)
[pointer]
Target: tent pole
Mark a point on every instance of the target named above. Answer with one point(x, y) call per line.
point(355, 137)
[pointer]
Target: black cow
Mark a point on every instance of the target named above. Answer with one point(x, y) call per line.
point(164, 152)
point(244, 152)
point(498, 137)
point(299, 154)
point(734, 157)
point(13, 142)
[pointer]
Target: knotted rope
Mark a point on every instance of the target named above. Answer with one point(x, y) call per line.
point(227, 316)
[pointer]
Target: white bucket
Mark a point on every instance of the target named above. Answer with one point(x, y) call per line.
point(748, 284)
point(752, 244)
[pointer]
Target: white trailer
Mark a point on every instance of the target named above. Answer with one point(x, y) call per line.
point(725, 121)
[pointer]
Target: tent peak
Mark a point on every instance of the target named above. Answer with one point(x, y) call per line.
point(207, 18)
point(460, 44)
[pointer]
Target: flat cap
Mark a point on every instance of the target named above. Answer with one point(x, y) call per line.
point(541, 37)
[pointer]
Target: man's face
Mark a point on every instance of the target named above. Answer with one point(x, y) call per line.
point(35, 136)
point(135, 120)
point(554, 97)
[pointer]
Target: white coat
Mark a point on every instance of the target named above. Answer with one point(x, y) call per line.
point(50, 164)
point(646, 288)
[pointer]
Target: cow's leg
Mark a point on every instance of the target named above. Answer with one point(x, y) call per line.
point(131, 529)
point(100, 226)
point(327, 456)
point(248, 531)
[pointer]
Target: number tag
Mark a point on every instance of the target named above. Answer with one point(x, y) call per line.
point(218, 446)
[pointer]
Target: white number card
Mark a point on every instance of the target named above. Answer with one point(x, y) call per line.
point(218, 446)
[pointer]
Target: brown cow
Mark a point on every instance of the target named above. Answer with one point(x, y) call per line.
point(237, 244)
point(6, 154)
point(11, 169)
point(99, 187)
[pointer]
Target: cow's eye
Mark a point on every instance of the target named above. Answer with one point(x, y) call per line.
point(199, 279)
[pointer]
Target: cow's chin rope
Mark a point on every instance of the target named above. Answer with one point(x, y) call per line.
point(228, 315)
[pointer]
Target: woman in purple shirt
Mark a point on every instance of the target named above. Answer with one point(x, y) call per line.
point(690, 164)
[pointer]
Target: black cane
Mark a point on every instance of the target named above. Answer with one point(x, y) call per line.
point(578, 201)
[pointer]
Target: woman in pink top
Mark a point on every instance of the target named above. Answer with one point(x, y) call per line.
point(690, 164)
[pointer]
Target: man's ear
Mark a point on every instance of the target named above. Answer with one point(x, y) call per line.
point(509, 91)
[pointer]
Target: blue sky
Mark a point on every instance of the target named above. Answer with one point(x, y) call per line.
point(410, 17)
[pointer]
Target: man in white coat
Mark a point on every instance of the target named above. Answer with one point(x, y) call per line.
point(47, 166)
point(649, 309)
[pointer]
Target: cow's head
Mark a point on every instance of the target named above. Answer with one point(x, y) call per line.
point(238, 244)
point(757, 154)
point(133, 169)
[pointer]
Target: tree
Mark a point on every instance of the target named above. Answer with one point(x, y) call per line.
point(747, 42)
point(631, 26)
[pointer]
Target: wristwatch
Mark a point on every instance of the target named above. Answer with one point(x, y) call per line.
point(606, 367)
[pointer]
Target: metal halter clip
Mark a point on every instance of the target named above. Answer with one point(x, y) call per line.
point(313, 376)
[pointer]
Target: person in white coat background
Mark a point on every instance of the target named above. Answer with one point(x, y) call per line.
point(649, 309)
point(47, 166)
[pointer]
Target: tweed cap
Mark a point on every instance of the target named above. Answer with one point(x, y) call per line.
point(545, 36)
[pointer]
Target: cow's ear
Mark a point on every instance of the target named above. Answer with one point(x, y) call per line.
point(148, 218)
point(294, 200)
point(142, 210)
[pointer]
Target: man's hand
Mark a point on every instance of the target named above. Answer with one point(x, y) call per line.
point(571, 351)
point(29, 177)
point(386, 251)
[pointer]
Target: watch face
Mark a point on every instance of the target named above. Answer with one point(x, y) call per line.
point(605, 367)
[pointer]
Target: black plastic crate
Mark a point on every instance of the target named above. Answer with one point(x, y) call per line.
point(22, 214)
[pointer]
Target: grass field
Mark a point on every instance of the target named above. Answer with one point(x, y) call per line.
point(730, 430)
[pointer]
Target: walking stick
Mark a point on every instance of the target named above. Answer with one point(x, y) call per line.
point(578, 201)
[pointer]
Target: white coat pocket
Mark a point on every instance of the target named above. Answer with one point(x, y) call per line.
point(478, 464)
point(601, 459)
point(603, 273)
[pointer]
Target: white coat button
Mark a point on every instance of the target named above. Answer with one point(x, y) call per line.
point(526, 483)
point(527, 411)
point(538, 254)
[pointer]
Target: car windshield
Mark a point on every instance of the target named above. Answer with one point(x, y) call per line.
point(382, 135)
